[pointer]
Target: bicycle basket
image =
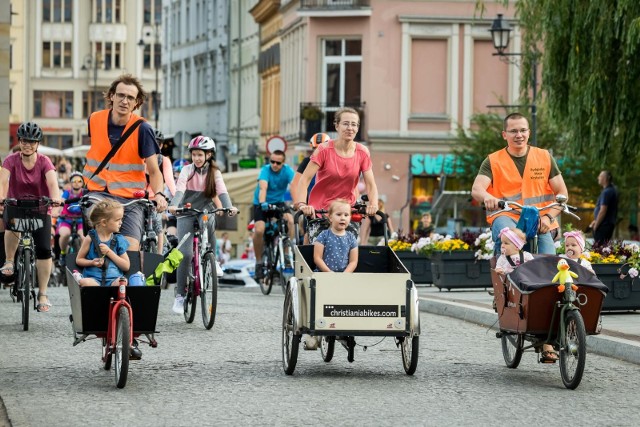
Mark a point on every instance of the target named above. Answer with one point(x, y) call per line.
point(25, 215)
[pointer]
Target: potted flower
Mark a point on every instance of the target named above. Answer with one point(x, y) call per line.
point(417, 263)
point(617, 265)
point(461, 262)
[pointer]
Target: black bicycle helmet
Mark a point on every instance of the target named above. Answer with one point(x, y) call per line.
point(159, 135)
point(29, 131)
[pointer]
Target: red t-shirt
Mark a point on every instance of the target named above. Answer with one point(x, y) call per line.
point(338, 176)
point(24, 182)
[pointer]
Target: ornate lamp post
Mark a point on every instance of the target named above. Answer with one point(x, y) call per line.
point(500, 33)
point(93, 62)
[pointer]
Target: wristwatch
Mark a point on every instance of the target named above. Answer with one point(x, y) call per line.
point(161, 194)
point(551, 218)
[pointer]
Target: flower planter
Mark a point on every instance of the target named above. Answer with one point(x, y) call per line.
point(419, 266)
point(624, 294)
point(459, 269)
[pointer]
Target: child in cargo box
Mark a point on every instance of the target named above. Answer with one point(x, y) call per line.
point(336, 249)
point(511, 253)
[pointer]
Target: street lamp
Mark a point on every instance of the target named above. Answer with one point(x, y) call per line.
point(500, 32)
point(93, 62)
point(156, 65)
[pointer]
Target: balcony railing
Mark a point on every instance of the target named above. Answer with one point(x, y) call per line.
point(334, 4)
point(318, 117)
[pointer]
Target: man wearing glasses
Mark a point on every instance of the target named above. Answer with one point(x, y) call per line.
point(521, 173)
point(273, 181)
point(125, 173)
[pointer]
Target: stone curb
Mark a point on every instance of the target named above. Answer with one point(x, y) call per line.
point(618, 348)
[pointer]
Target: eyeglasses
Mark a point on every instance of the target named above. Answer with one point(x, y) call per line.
point(123, 96)
point(350, 124)
point(28, 142)
point(514, 132)
point(275, 162)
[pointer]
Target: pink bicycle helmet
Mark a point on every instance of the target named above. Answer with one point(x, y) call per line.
point(318, 139)
point(203, 143)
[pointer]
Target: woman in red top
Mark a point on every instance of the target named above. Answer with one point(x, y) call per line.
point(337, 167)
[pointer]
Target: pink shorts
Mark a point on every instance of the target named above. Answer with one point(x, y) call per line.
point(66, 224)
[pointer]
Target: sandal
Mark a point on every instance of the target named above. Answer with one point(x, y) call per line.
point(8, 268)
point(43, 307)
point(549, 356)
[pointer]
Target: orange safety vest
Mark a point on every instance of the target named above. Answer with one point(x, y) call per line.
point(124, 174)
point(532, 189)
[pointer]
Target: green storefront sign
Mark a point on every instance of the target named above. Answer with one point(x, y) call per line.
point(434, 164)
point(248, 163)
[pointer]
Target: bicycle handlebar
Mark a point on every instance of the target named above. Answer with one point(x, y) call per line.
point(188, 210)
point(47, 201)
point(508, 206)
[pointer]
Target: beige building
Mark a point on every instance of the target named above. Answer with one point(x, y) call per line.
point(65, 53)
point(5, 57)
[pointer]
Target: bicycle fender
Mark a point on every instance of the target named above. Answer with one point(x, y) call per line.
point(295, 297)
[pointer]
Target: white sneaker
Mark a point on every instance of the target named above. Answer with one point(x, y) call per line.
point(310, 342)
point(178, 304)
point(219, 269)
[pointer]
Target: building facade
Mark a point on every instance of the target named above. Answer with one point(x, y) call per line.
point(65, 54)
point(417, 71)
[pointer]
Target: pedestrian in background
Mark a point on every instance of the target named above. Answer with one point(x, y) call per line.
point(606, 211)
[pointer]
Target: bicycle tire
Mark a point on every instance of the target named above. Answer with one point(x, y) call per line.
point(150, 246)
point(209, 290)
point(107, 356)
point(27, 277)
point(290, 340)
point(122, 347)
point(512, 349)
point(410, 349)
point(573, 355)
point(267, 264)
point(190, 296)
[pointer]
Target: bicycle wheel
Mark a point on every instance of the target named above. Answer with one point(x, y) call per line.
point(512, 349)
point(327, 347)
point(122, 347)
point(287, 271)
point(410, 348)
point(267, 270)
point(290, 341)
point(573, 355)
point(190, 297)
point(150, 246)
point(26, 280)
point(209, 290)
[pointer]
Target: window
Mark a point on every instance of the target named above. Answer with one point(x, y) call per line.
point(152, 50)
point(57, 10)
point(58, 141)
point(342, 72)
point(51, 104)
point(108, 11)
point(111, 54)
point(152, 13)
point(92, 101)
point(56, 54)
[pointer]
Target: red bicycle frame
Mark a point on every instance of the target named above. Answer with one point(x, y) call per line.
point(111, 326)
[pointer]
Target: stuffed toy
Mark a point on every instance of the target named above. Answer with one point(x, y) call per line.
point(564, 276)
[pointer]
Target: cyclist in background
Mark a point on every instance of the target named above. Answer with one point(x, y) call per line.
point(28, 174)
point(69, 213)
point(273, 181)
point(165, 166)
point(199, 184)
point(315, 141)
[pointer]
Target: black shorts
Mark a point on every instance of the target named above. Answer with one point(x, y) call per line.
point(260, 215)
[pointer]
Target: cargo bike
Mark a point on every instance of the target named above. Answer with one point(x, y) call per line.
point(116, 314)
point(534, 310)
point(378, 299)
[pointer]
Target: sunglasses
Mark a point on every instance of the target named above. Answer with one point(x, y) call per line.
point(275, 162)
point(77, 181)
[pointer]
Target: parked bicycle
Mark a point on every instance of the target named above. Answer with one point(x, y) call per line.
point(202, 279)
point(277, 255)
point(25, 216)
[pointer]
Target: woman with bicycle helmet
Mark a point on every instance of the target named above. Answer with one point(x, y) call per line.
point(27, 174)
point(199, 184)
point(69, 214)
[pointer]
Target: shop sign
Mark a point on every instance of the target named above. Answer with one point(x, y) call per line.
point(434, 164)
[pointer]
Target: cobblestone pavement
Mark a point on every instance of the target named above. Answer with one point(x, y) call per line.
point(232, 375)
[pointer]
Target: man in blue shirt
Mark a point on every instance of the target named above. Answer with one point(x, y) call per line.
point(606, 212)
point(273, 181)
